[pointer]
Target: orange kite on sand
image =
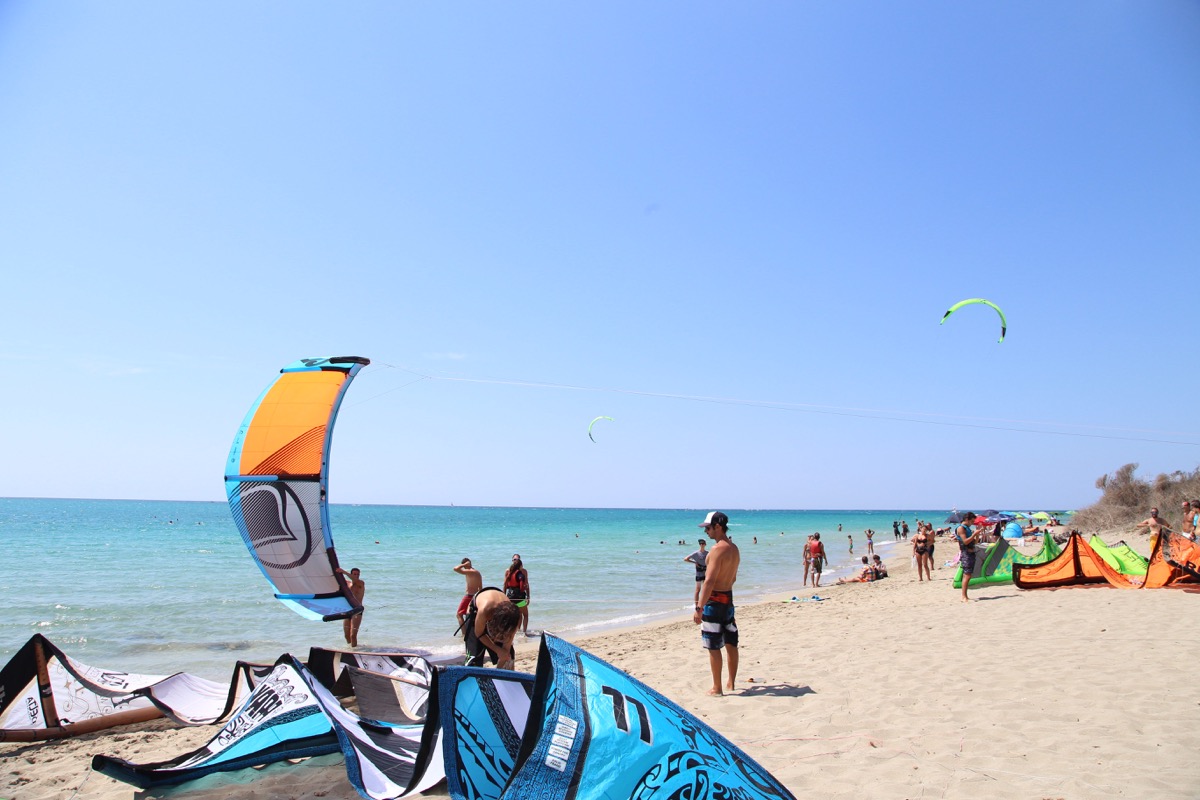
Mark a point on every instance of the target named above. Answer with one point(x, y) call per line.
point(1174, 561)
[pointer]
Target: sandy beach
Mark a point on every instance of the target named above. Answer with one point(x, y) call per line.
point(886, 690)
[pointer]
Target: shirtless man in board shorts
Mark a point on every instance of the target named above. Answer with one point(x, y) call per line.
point(714, 606)
point(358, 588)
point(474, 584)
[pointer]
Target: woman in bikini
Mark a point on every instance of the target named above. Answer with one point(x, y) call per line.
point(921, 553)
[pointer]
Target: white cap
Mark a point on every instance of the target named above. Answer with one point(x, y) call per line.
point(715, 518)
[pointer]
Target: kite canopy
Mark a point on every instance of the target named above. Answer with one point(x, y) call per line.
point(973, 301)
point(277, 478)
point(593, 423)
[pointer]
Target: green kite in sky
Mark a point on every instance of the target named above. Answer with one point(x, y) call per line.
point(961, 303)
point(593, 423)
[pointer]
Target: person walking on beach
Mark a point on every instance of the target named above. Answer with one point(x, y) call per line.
point(358, 589)
point(816, 554)
point(807, 560)
point(516, 587)
point(489, 629)
point(714, 606)
point(966, 535)
point(474, 584)
point(699, 558)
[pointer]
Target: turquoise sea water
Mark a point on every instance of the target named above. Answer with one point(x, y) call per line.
point(162, 587)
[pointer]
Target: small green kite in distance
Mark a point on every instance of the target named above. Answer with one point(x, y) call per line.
point(961, 303)
point(593, 423)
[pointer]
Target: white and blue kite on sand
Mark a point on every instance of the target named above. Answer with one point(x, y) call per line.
point(580, 729)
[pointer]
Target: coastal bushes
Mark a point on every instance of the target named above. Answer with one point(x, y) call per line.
point(1127, 499)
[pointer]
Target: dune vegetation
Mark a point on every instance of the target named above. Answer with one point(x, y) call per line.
point(1127, 499)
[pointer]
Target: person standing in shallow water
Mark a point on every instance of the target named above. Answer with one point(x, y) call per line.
point(516, 587)
point(714, 606)
point(700, 559)
point(358, 589)
point(474, 584)
point(817, 557)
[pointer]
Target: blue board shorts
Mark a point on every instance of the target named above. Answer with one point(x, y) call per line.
point(717, 625)
point(967, 561)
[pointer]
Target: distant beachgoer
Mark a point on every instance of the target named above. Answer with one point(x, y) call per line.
point(904, 530)
point(870, 541)
point(474, 584)
point(839, 527)
point(714, 608)
point(966, 536)
point(358, 589)
point(1154, 523)
point(807, 560)
point(490, 626)
point(516, 587)
point(921, 547)
point(866, 576)
point(816, 551)
point(1188, 526)
point(850, 540)
point(699, 558)
point(896, 529)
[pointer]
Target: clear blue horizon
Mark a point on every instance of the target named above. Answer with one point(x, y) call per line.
point(732, 229)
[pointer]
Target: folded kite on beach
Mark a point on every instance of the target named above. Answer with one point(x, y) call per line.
point(45, 694)
point(994, 562)
point(1079, 564)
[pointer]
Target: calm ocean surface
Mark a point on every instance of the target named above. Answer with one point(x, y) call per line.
point(162, 587)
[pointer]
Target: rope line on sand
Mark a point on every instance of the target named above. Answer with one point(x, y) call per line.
point(945, 420)
point(79, 788)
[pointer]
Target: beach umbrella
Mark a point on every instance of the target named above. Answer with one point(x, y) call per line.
point(955, 518)
point(991, 512)
point(1040, 516)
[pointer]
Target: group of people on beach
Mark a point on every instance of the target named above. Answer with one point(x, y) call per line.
point(489, 617)
point(1189, 523)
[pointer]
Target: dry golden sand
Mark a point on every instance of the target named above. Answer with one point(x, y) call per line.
point(887, 690)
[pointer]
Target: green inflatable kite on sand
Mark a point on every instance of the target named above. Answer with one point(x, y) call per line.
point(1120, 557)
point(995, 564)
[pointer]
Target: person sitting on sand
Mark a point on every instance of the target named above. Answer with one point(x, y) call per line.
point(879, 568)
point(866, 576)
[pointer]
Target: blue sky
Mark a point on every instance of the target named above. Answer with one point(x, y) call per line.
point(649, 202)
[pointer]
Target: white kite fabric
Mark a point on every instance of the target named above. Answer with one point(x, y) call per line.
point(579, 729)
point(45, 694)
